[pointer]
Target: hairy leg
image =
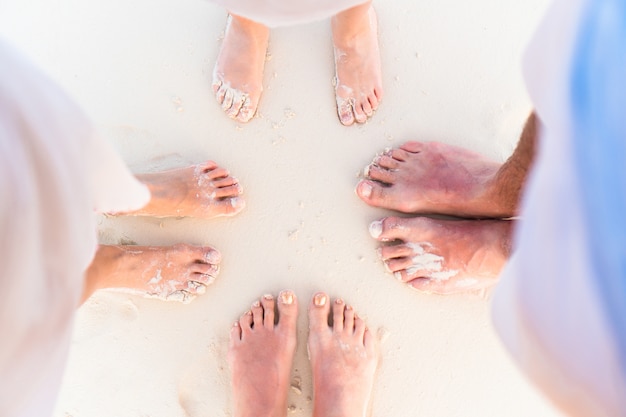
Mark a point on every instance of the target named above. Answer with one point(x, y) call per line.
point(204, 191)
point(260, 355)
point(429, 178)
point(238, 72)
point(177, 272)
point(444, 256)
point(344, 357)
point(358, 85)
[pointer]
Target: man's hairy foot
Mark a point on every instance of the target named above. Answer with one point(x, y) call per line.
point(238, 72)
point(344, 357)
point(178, 273)
point(358, 85)
point(444, 256)
point(434, 178)
point(203, 191)
point(261, 351)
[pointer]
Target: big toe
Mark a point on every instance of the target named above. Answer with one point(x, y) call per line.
point(318, 311)
point(345, 110)
point(389, 229)
point(287, 310)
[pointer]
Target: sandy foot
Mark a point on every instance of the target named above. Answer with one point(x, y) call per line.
point(178, 273)
point(433, 177)
point(238, 72)
point(260, 356)
point(358, 85)
point(444, 256)
point(344, 358)
point(203, 191)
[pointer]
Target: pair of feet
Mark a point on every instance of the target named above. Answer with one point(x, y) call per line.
point(434, 255)
point(238, 73)
point(344, 357)
point(178, 272)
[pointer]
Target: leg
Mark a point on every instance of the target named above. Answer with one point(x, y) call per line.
point(203, 191)
point(260, 355)
point(344, 358)
point(238, 73)
point(444, 256)
point(357, 63)
point(177, 272)
point(437, 178)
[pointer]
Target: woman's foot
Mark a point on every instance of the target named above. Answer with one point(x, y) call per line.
point(261, 352)
point(238, 72)
point(344, 357)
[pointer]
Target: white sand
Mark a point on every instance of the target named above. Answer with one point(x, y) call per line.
point(142, 69)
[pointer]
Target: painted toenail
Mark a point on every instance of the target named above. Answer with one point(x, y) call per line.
point(319, 300)
point(286, 297)
point(366, 189)
point(376, 228)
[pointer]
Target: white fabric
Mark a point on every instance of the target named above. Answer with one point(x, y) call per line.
point(546, 307)
point(275, 13)
point(54, 172)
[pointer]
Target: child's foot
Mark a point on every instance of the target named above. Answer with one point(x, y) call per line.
point(344, 357)
point(176, 273)
point(431, 177)
point(444, 256)
point(203, 191)
point(260, 355)
point(238, 73)
point(357, 64)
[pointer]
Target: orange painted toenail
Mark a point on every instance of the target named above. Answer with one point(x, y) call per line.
point(286, 297)
point(319, 300)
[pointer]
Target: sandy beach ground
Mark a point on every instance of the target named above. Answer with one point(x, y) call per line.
point(142, 71)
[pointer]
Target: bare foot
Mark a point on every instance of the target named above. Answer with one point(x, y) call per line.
point(437, 178)
point(444, 256)
point(344, 358)
point(204, 191)
point(177, 272)
point(260, 355)
point(238, 72)
point(358, 85)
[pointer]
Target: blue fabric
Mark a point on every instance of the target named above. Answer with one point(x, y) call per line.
point(598, 97)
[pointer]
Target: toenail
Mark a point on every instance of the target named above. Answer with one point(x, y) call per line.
point(257, 303)
point(366, 171)
point(397, 275)
point(376, 228)
point(338, 301)
point(379, 252)
point(213, 257)
point(286, 297)
point(248, 313)
point(319, 300)
point(268, 297)
point(349, 308)
point(366, 189)
point(236, 324)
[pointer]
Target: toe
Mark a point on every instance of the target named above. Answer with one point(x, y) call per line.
point(233, 111)
point(385, 161)
point(204, 279)
point(207, 166)
point(268, 311)
point(287, 310)
point(367, 108)
point(389, 229)
point(359, 327)
point(348, 320)
point(338, 315)
point(217, 173)
point(223, 182)
point(395, 251)
point(245, 322)
point(319, 310)
point(370, 342)
point(228, 100)
point(247, 111)
point(373, 101)
point(212, 256)
point(229, 206)
point(398, 264)
point(225, 192)
point(380, 174)
point(235, 332)
point(412, 146)
point(371, 192)
point(359, 113)
point(257, 314)
point(344, 109)
point(400, 154)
